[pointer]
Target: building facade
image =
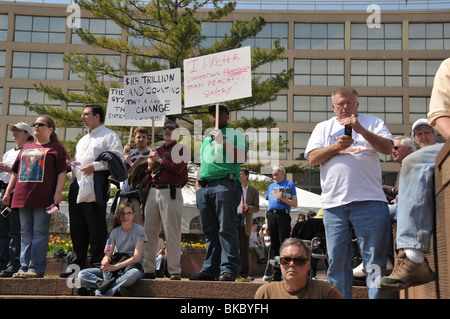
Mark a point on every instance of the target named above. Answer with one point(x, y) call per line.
point(391, 63)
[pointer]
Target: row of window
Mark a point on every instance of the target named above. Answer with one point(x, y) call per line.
point(330, 36)
point(383, 73)
point(306, 108)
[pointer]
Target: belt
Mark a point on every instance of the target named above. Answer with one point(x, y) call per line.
point(203, 182)
point(163, 186)
point(277, 211)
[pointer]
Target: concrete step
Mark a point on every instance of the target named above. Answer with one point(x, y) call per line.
point(145, 288)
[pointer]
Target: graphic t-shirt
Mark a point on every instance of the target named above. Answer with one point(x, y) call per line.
point(37, 168)
point(354, 175)
point(287, 187)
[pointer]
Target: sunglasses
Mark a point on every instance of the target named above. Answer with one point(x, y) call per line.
point(168, 127)
point(396, 147)
point(298, 261)
point(39, 124)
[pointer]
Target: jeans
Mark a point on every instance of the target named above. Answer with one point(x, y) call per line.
point(217, 203)
point(416, 205)
point(10, 240)
point(89, 277)
point(35, 223)
point(371, 224)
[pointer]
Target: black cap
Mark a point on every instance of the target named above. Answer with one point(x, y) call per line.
point(222, 107)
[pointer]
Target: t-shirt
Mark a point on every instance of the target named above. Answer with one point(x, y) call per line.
point(354, 175)
point(216, 166)
point(314, 289)
point(8, 158)
point(37, 168)
point(125, 241)
point(271, 196)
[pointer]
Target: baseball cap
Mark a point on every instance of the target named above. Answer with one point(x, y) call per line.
point(21, 126)
point(222, 107)
point(420, 122)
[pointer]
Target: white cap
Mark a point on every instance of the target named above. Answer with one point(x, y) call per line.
point(420, 122)
point(21, 126)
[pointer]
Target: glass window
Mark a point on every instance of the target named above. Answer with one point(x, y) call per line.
point(319, 36)
point(276, 109)
point(422, 72)
point(389, 109)
point(299, 143)
point(387, 37)
point(33, 65)
point(376, 73)
point(40, 29)
point(3, 27)
point(98, 27)
point(418, 108)
point(18, 96)
point(312, 109)
point(318, 72)
point(429, 36)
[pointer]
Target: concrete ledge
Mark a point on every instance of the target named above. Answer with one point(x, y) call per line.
point(145, 288)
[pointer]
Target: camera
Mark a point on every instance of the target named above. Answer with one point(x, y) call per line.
point(6, 211)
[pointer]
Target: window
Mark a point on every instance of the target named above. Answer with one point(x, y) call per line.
point(276, 109)
point(133, 69)
point(389, 109)
point(319, 36)
point(3, 27)
point(40, 29)
point(34, 65)
point(98, 27)
point(318, 72)
point(418, 108)
point(18, 96)
point(429, 36)
point(376, 73)
point(299, 143)
point(108, 61)
point(312, 109)
point(387, 37)
point(267, 36)
point(2, 63)
point(421, 72)
point(214, 32)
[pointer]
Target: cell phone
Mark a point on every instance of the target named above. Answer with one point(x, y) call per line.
point(6, 211)
point(348, 130)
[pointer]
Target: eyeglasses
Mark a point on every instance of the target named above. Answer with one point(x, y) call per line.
point(39, 124)
point(127, 213)
point(86, 114)
point(344, 103)
point(298, 261)
point(168, 127)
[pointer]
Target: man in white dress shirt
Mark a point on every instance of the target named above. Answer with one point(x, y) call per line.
point(88, 219)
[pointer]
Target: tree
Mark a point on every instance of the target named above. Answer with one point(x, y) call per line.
point(173, 29)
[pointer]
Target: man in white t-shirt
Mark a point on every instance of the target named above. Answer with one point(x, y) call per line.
point(352, 195)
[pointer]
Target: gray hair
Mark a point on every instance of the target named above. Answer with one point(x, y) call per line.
point(296, 241)
point(407, 142)
point(280, 167)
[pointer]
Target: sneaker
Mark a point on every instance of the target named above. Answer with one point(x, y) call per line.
point(407, 274)
point(8, 272)
point(358, 271)
point(28, 274)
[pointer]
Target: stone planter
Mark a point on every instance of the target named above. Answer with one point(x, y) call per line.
point(192, 261)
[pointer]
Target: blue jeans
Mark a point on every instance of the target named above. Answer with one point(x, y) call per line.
point(35, 223)
point(10, 240)
point(217, 203)
point(371, 224)
point(416, 199)
point(89, 277)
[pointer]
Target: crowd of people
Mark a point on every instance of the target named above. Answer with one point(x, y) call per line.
point(354, 203)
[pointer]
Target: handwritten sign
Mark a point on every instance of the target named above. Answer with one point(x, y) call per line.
point(152, 94)
point(217, 77)
point(115, 112)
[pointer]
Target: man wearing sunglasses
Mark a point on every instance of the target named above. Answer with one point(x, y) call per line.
point(295, 259)
point(167, 167)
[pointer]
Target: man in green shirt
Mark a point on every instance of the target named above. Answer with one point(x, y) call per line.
point(218, 194)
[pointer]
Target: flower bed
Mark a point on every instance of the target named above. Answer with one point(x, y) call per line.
point(59, 244)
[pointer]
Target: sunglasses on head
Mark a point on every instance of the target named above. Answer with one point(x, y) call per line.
point(168, 127)
point(39, 124)
point(298, 261)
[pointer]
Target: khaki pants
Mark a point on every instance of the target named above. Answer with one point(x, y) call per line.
point(160, 208)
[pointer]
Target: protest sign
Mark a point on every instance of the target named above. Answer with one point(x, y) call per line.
point(115, 112)
point(152, 94)
point(217, 77)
